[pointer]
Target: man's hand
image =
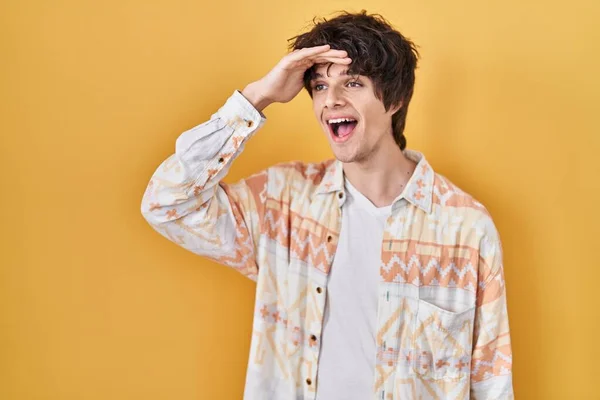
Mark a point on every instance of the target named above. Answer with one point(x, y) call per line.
point(284, 81)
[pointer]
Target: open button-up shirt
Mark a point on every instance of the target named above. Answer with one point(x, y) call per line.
point(442, 325)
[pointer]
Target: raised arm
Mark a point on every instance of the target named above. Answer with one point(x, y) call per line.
point(187, 201)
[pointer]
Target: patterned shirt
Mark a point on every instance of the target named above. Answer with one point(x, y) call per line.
point(442, 324)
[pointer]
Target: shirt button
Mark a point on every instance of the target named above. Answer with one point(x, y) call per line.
point(319, 290)
point(341, 195)
point(250, 123)
point(313, 338)
point(329, 238)
point(221, 160)
point(308, 381)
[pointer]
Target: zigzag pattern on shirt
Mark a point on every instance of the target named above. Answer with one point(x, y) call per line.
point(308, 240)
point(445, 266)
point(276, 226)
point(311, 249)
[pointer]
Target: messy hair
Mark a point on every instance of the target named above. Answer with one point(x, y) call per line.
point(377, 50)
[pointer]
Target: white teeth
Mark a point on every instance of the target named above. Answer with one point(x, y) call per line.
point(338, 120)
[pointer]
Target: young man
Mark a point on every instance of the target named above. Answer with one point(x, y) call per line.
point(377, 278)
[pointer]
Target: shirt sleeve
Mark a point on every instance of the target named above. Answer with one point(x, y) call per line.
point(187, 202)
point(491, 364)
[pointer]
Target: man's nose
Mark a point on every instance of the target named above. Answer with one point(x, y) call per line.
point(334, 98)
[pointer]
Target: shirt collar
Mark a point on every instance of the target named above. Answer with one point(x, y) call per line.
point(418, 191)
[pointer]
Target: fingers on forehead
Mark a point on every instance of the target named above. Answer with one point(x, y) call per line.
point(308, 51)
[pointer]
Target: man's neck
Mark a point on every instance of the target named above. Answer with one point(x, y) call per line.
point(382, 177)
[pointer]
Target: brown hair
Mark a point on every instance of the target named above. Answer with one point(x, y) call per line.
point(377, 50)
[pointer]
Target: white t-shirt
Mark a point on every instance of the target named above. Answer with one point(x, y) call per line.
point(348, 347)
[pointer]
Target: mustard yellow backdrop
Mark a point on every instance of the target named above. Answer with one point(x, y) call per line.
point(95, 305)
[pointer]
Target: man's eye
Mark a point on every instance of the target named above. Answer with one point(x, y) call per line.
point(319, 87)
point(354, 84)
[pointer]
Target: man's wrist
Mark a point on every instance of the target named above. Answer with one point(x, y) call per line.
point(255, 96)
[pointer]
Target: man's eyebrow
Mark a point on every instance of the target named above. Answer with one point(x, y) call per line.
point(317, 75)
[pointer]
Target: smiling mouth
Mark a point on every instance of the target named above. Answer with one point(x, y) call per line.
point(342, 128)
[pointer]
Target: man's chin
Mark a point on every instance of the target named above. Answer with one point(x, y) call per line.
point(343, 157)
point(352, 156)
point(346, 154)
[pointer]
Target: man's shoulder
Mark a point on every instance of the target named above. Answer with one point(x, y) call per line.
point(299, 177)
point(302, 171)
point(448, 194)
point(449, 198)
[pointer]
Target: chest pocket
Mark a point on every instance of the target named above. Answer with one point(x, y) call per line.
point(442, 342)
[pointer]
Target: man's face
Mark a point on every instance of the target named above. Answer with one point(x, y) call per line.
point(354, 120)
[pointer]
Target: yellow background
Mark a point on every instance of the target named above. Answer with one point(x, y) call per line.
point(95, 305)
